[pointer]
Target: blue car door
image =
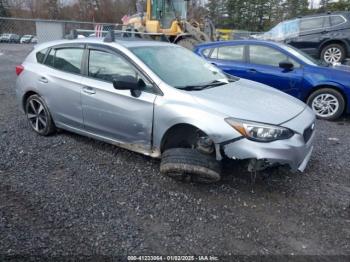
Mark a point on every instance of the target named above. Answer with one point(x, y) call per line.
point(264, 67)
point(229, 58)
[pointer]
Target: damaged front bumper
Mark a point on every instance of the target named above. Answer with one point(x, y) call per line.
point(294, 152)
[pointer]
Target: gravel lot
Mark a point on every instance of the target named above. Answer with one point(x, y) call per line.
point(68, 195)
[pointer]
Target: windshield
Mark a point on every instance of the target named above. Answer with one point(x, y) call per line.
point(179, 67)
point(302, 56)
point(284, 30)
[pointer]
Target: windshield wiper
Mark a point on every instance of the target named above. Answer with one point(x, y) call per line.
point(211, 84)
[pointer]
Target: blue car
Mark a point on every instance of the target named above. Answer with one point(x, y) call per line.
point(325, 88)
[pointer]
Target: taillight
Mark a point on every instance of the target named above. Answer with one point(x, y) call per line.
point(19, 69)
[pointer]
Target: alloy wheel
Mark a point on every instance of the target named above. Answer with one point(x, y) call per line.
point(333, 55)
point(37, 115)
point(325, 105)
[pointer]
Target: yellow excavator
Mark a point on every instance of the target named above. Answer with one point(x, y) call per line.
point(168, 19)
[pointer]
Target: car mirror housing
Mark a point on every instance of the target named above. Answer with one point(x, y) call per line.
point(286, 65)
point(129, 83)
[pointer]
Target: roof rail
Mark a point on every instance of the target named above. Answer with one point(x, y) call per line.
point(73, 34)
point(112, 34)
point(110, 37)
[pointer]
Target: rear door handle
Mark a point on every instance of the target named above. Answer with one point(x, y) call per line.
point(43, 80)
point(89, 90)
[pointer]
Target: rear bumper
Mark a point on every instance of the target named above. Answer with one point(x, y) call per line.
point(294, 152)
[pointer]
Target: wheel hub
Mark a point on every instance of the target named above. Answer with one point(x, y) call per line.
point(36, 115)
point(332, 55)
point(325, 105)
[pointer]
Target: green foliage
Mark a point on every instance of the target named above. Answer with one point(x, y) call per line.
point(3, 8)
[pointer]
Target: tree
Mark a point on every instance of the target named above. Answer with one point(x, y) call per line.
point(4, 8)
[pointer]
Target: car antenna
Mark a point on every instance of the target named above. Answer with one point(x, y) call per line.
point(110, 37)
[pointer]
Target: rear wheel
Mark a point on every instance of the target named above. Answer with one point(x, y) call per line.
point(186, 164)
point(38, 116)
point(327, 103)
point(334, 53)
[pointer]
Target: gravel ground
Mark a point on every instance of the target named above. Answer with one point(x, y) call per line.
point(68, 195)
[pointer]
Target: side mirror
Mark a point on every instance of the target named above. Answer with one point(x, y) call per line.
point(286, 65)
point(129, 83)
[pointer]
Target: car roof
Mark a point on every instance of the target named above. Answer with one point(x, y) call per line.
point(129, 43)
point(239, 42)
point(325, 14)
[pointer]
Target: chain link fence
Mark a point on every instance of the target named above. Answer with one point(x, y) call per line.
point(20, 30)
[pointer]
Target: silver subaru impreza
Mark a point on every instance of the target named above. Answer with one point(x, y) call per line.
point(163, 101)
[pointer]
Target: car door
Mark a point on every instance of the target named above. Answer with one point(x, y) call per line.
point(311, 34)
point(264, 68)
point(111, 113)
point(59, 81)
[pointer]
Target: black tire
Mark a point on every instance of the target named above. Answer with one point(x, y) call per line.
point(188, 43)
point(336, 95)
point(187, 164)
point(336, 48)
point(37, 114)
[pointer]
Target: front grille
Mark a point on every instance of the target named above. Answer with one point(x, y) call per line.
point(308, 132)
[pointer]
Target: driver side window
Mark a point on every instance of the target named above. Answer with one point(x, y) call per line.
point(107, 67)
point(262, 55)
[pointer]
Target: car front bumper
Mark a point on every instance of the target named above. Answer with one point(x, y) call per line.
point(294, 152)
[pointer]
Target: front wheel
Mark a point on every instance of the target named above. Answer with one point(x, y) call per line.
point(188, 164)
point(327, 103)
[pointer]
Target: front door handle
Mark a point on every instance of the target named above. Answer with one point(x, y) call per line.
point(89, 90)
point(43, 80)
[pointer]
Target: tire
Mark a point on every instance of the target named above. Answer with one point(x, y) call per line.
point(333, 53)
point(327, 98)
point(187, 164)
point(188, 43)
point(38, 116)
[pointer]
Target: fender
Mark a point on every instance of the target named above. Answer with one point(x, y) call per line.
point(330, 84)
point(333, 41)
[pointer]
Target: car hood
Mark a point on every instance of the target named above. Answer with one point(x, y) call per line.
point(250, 100)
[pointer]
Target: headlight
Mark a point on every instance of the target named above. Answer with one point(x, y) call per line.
point(260, 132)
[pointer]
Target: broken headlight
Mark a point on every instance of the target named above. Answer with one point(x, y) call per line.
point(259, 132)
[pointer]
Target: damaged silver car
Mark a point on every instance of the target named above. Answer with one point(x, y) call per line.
point(163, 101)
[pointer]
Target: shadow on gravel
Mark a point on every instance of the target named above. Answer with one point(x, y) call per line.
point(235, 174)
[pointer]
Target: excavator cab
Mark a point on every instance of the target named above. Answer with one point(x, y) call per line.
point(167, 11)
point(167, 19)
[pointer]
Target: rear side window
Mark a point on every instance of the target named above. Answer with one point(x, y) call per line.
point(232, 53)
point(40, 56)
point(68, 60)
point(307, 24)
point(206, 52)
point(337, 20)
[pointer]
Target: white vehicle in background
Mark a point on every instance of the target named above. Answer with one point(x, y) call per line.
point(26, 39)
point(34, 40)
